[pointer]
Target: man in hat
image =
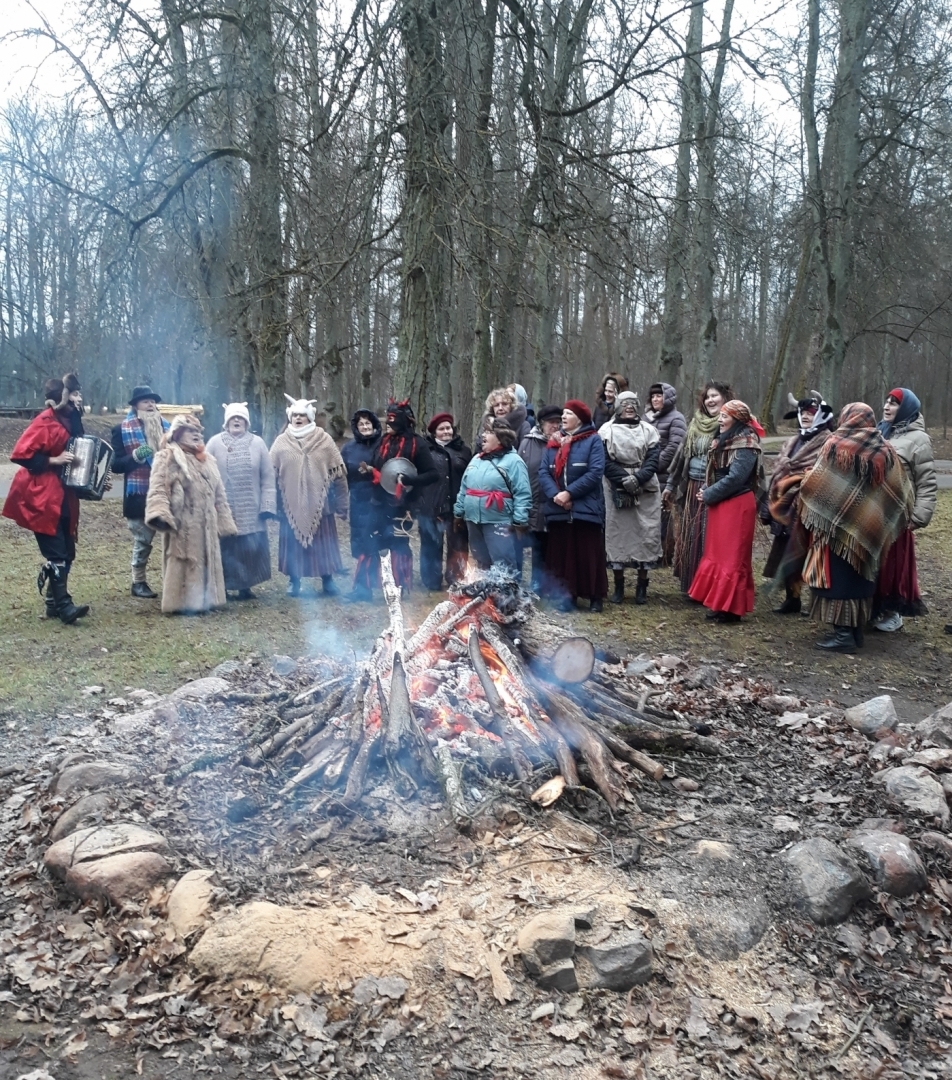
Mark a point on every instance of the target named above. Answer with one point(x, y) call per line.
point(135, 441)
point(38, 499)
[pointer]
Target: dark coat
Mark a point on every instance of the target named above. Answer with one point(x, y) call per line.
point(582, 480)
point(362, 515)
point(602, 413)
point(531, 450)
point(414, 448)
point(133, 503)
point(436, 501)
point(671, 426)
point(617, 474)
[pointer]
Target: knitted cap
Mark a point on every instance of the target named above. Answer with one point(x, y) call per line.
point(237, 408)
point(301, 405)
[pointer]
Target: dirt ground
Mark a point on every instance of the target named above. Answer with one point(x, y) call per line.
point(787, 1008)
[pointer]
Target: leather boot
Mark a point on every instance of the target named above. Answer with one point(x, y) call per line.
point(329, 586)
point(619, 594)
point(141, 590)
point(595, 605)
point(841, 640)
point(641, 590)
point(42, 582)
point(294, 587)
point(790, 606)
point(66, 610)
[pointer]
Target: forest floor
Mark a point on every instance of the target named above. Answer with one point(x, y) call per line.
point(123, 645)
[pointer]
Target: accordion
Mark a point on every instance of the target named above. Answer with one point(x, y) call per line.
point(88, 472)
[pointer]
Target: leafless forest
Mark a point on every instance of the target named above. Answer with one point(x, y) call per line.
point(233, 199)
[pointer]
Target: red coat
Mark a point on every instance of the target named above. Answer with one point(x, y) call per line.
point(35, 500)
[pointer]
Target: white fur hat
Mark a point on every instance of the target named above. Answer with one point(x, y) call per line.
point(301, 405)
point(237, 408)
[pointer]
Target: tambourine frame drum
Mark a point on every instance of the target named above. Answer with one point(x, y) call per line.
point(88, 472)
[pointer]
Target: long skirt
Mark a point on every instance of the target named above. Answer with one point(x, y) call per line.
point(725, 578)
point(897, 588)
point(575, 560)
point(245, 560)
point(320, 558)
point(690, 525)
point(848, 598)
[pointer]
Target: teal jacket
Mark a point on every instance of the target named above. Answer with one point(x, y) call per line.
point(510, 503)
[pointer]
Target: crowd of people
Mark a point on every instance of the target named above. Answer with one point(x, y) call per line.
point(581, 490)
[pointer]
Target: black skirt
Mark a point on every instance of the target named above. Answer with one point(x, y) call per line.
point(245, 560)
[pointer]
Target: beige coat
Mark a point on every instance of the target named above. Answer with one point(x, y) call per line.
point(914, 447)
point(187, 502)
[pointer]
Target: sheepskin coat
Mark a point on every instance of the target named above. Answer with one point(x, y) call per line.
point(187, 502)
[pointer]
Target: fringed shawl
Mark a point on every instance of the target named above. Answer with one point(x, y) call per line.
point(856, 497)
point(789, 472)
point(306, 470)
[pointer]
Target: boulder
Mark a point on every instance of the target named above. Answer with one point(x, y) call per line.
point(620, 963)
point(937, 727)
point(936, 758)
point(225, 668)
point(722, 930)
point(86, 809)
point(100, 842)
point(118, 878)
point(201, 689)
point(189, 901)
point(159, 718)
point(826, 882)
point(895, 866)
point(283, 665)
point(714, 851)
point(93, 774)
point(915, 790)
point(869, 717)
point(546, 939)
point(938, 842)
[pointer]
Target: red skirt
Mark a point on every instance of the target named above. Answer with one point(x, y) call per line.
point(897, 588)
point(725, 578)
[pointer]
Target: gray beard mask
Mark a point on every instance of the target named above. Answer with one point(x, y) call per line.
point(152, 426)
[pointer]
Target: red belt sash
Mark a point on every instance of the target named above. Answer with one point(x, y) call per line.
point(495, 500)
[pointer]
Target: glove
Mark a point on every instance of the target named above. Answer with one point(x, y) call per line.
point(459, 524)
point(631, 485)
point(405, 481)
point(142, 453)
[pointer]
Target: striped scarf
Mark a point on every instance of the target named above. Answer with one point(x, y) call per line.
point(133, 436)
point(856, 499)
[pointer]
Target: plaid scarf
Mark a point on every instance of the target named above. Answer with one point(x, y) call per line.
point(789, 472)
point(133, 436)
point(856, 497)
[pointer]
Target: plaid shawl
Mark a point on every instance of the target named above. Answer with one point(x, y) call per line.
point(789, 472)
point(856, 497)
point(133, 436)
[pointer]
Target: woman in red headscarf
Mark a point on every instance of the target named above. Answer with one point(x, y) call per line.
point(724, 581)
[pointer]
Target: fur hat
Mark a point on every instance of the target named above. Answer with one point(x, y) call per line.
point(581, 410)
point(627, 397)
point(504, 433)
point(549, 412)
point(237, 408)
point(56, 391)
point(440, 418)
point(301, 405)
point(179, 425)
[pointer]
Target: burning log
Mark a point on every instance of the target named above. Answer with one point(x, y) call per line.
point(407, 751)
point(503, 728)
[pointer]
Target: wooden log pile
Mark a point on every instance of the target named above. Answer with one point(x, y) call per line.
point(487, 687)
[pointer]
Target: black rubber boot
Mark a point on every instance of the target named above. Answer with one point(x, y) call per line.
point(141, 590)
point(329, 586)
point(294, 587)
point(790, 606)
point(66, 610)
point(595, 605)
point(619, 594)
point(641, 590)
point(842, 640)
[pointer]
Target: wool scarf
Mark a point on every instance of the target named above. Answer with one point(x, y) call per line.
point(306, 469)
point(856, 498)
point(133, 436)
point(700, 431)
point(563, 447)
point(789, 472)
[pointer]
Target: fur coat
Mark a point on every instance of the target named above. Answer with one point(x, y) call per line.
point(187, 502)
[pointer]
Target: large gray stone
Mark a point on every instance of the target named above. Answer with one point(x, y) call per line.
point(937, 727)
point(201, 689)
point(620, 963)
point(895, 866)
point(915, 790)
point(869, 717)
point(118, 878)
point(936, 758)
point(93, 774)
point(826, 882)
point(546, 939)
point(722, 930)
point(87, 809)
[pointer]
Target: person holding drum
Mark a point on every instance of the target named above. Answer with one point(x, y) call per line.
point(135, 441)
point(40, 501)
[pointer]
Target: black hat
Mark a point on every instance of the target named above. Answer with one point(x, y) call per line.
point(140, 393)
point(549, 412)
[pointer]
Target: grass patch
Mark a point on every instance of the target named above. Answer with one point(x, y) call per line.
point(127, 643)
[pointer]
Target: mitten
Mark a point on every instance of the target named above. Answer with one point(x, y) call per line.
point(142, 453)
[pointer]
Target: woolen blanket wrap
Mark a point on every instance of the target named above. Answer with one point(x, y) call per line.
point(306, 470)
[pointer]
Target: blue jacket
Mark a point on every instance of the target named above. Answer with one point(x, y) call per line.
point(483, 474)
point(583, 480)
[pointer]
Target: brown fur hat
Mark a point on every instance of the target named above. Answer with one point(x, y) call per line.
point(56, 391)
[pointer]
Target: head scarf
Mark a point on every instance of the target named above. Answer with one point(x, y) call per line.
point(856, 498)
point(909, 406)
